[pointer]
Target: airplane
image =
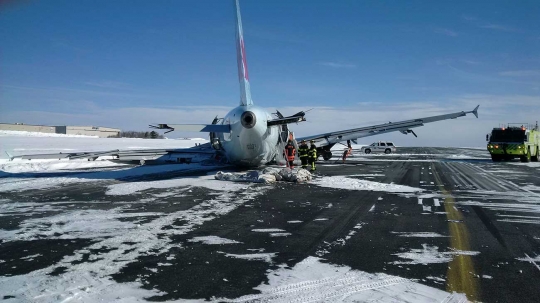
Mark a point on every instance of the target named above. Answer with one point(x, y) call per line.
point(248, 135)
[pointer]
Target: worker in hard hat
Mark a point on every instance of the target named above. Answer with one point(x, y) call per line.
point(312, 155)
point(303, 153)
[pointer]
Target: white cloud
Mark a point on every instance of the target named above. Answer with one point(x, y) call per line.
point(498, 27)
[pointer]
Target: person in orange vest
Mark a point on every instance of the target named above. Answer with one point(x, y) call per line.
point(290, 152)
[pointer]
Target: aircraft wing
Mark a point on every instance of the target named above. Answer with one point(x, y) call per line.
point(208, 128)
point(329, 139)
point(142, 156)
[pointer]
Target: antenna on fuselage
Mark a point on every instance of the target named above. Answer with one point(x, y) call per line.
point(243, 76)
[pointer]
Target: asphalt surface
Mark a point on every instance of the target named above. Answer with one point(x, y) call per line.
point(491, 210)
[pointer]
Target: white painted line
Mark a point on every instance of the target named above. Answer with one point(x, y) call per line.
point(532, 261)
point(436, 202)
point(420, 201)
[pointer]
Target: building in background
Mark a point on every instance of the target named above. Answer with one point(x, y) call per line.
point(102, 132)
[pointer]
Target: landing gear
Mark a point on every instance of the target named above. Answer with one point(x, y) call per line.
point(327, 155)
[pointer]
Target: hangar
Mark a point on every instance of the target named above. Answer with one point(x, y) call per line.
point(102, 132)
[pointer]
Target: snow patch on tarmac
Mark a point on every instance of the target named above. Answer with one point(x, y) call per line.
point(204, 181)
point(418, 234)
point(314, 281)
point(213, 240)
point(429, 255)
point(356, 184)
point(120, 237)
point(266, 257)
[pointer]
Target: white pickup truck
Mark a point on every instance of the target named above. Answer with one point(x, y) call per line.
point(379, 147)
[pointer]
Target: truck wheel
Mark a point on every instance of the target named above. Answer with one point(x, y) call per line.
point(367, 151)
point(527, 156)
point(387, 151)
point(496, 158)
point(535, 157)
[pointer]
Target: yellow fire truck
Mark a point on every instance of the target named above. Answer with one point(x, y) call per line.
point(514, 140)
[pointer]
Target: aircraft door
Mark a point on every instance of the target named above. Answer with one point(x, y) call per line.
point(284, 134)
point(214, 139)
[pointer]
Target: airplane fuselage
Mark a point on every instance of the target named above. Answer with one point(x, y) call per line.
point(251, 142)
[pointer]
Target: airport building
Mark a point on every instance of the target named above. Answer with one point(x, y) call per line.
point(102, 132)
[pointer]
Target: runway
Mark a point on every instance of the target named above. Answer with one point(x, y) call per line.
point(423, 225)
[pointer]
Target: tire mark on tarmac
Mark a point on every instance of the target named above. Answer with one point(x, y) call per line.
point(347, 287)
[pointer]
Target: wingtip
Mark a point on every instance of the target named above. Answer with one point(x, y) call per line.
point(475, 111)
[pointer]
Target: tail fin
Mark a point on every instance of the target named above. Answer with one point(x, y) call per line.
point(245, 92)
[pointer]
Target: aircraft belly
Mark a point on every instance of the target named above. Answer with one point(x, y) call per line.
point(251, 149)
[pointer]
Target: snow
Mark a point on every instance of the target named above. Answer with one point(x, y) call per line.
point(125, 234)
point(429, 254)
point(268, 230)
point(44, 144)
point(204, 181)
point(125, 240)
point(213, 240)
point(418, 234)
point(355, 184)
point(16, 133)
point(312, 280)
point(266, 257)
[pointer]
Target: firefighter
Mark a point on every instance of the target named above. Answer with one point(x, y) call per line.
point(312, 155)
point(303, 151)
point(290, 152)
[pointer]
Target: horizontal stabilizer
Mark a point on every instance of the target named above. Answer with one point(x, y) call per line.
point(298, 117)
point(205, 128)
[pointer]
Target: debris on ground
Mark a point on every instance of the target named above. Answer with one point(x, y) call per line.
point(267, 175)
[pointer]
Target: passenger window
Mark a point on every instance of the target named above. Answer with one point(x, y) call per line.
point(389, 143)
point(382, 144)
point(373, 144)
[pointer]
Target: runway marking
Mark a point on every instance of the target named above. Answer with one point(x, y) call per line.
point(436, 202)
point(461, 273)
point(420, 201)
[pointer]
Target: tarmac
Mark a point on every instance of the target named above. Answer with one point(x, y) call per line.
point(460, 224)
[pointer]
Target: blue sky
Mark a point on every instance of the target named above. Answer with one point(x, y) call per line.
point(127, 64)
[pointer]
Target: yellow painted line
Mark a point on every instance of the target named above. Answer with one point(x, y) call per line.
point(461, 275)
